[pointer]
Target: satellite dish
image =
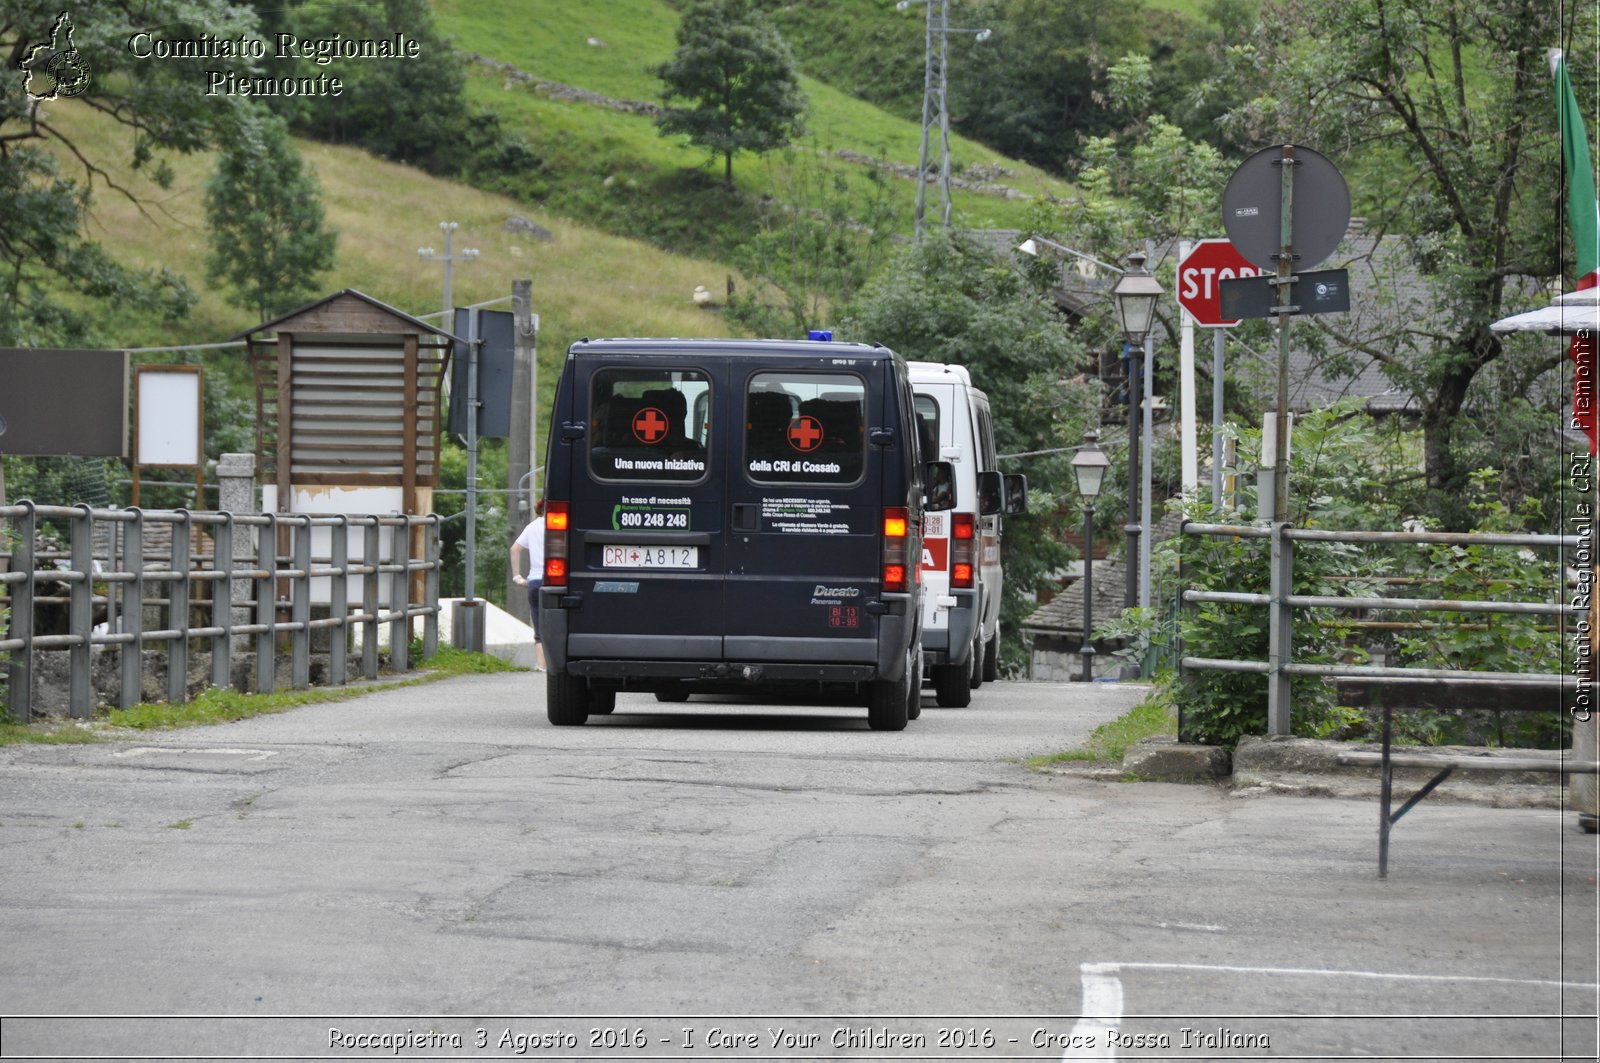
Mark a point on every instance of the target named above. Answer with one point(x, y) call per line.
point(1252, 207)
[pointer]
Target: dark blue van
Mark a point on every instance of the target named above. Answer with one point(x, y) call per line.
point(734, 515)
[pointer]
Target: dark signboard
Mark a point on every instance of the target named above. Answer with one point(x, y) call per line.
point(496, 356)
point(1324, 291)
point(60, 402)
point(1252, 207)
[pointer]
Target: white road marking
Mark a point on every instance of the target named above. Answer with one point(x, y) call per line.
point(1101, 1010)
point(1323, 972)
point(1101, 1006)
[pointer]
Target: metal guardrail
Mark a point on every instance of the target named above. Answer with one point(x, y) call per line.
point(276, 596)
point(1280, 666)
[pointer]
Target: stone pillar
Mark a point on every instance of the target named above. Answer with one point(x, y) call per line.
point(237, 494)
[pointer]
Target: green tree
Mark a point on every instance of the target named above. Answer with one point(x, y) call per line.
point(47, 260)
point(408, 110)
point(945, 301)
point(1032, 90)
point(821, 238)
point(1442, 116)
point(739, 81)
point(269, 240)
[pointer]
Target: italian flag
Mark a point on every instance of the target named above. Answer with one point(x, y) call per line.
point(1583, 216)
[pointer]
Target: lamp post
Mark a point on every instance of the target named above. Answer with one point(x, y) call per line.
point(1137, 292)
point(1089, 465)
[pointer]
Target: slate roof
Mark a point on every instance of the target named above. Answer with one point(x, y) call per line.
point(1063, 614)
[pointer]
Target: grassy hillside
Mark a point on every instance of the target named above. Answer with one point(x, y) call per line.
point(585, 282)
point(613, 168)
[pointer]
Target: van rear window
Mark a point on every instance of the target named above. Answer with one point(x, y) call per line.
point(805, 428)
point(649, 424)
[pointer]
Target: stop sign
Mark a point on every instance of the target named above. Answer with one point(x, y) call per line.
point(1208, 263)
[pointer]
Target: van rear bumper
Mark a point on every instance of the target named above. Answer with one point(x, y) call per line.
point(739, 659)
point(729, 672)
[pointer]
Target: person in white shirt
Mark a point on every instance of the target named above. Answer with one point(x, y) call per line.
point(527, 553)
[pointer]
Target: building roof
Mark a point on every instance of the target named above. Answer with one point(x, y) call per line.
point(1063, 614)
point(397, 321)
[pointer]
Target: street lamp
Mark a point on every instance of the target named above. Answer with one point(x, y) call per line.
point(1030, 246)
point(1089, 465)
point(1137, 293)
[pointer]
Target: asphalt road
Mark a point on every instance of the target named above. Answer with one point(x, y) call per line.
point(437, 865)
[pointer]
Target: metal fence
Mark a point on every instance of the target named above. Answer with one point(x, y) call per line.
point(1280, 667)
point(234, 583)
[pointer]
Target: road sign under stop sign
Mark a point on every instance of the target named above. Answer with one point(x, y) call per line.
point(1199, 280)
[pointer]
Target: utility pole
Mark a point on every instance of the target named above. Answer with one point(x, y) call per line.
point(935, 93)
point(427, 254)
point(522, 448)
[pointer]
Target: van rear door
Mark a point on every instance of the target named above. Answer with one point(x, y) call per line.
point(647, 508)
point(805, 510)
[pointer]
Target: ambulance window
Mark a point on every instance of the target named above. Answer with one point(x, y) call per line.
point(649, 424)
point(928, 423)
point(986, 438)
point(805, 428)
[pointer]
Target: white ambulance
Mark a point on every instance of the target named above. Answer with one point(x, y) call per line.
point(961, 548)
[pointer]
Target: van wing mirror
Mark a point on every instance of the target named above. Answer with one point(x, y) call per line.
point(939, 486)
point(1016, 494)
point(991, 493)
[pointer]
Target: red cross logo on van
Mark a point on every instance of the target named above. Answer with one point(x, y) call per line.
point(650, 425)
point(805, 433)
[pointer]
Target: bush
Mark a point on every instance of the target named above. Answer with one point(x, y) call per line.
point(1343, 476)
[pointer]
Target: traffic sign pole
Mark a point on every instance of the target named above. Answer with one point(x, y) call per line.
point(1265, 180)
point(1187, 439)
point(1280, 463)
point(1217, 340)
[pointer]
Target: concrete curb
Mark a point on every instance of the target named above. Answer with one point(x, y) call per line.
point(1311, 767)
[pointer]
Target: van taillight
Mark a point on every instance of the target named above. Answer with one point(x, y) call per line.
point(896, 525)
point(556, 522)
point(963, 548)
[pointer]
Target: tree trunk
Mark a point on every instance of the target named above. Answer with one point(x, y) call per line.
point(727, 170)
point(1445, 479)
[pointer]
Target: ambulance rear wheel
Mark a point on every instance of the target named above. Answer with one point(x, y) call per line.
point(991, 659)
point(952, 684)
point(914, 698)
point(566, 699)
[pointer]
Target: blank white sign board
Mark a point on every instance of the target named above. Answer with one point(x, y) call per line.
point(169, 417)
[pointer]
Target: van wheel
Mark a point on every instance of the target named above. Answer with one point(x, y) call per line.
point(602, 702)
point(991, 659)
point(566, 699)
point(672, 696)
point(952, 684)
point(914, 698)
point(888, 702)
point(977, 663)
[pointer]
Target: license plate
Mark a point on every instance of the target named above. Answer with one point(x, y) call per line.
point(650, 556)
